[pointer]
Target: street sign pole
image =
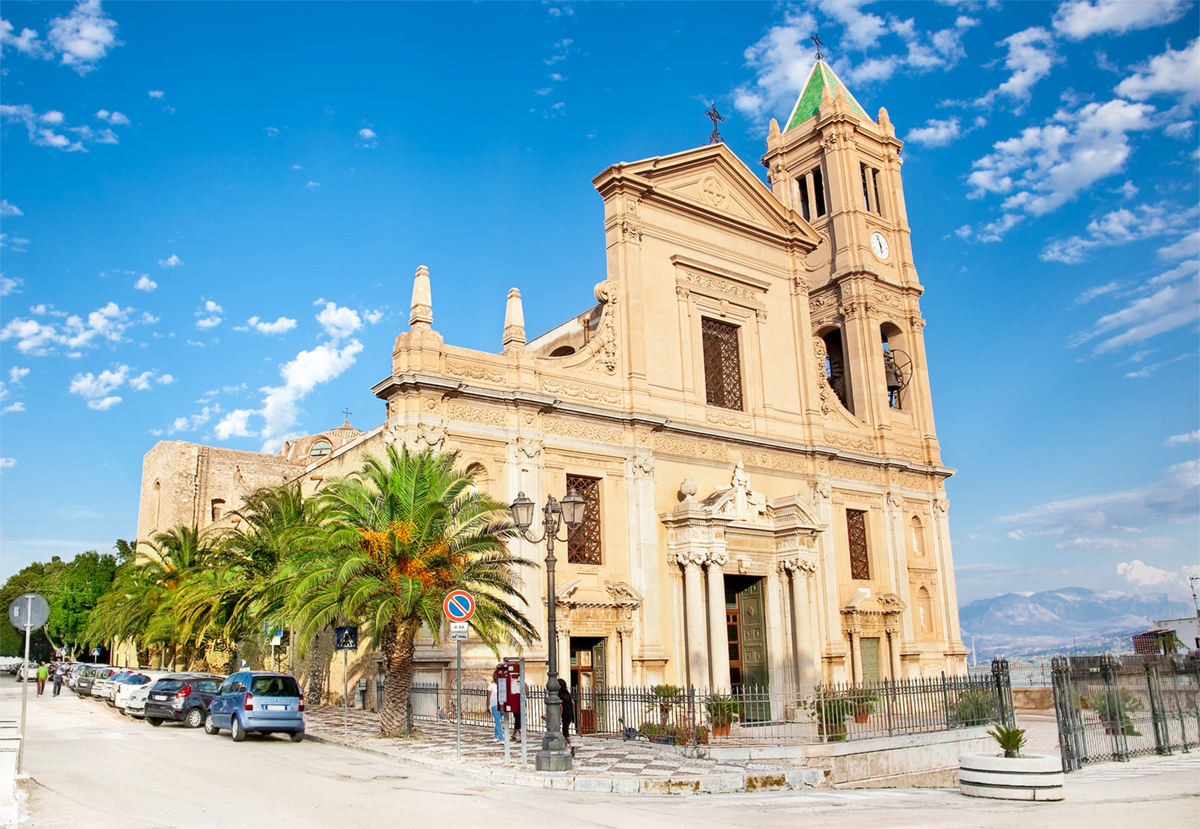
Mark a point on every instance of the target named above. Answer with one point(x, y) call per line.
point(345, 696)
point(457, 706)
point(524, 716)
point(25, 684)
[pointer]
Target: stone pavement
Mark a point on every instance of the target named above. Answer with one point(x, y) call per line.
point(602, 764)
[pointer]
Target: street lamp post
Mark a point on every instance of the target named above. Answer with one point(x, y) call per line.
point(553, 755)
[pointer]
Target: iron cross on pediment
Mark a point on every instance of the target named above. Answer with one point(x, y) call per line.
point(817, 42)
point(715, 117)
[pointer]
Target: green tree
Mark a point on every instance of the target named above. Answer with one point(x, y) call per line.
point(73, 591)
point(399, 535)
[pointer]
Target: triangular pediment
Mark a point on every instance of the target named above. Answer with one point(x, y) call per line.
point(714, 180)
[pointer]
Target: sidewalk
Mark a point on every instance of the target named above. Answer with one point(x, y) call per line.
point(602, 764)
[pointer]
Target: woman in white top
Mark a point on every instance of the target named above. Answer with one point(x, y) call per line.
point(494, 707)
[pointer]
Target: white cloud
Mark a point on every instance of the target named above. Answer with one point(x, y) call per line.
point(1092, 293)
point(16, 374)
point(7, 463)
point(145, 283)
point(14, 243)
point(338, 322)
point(1079, 19)
point(235, 424)
point(165, 380)
point(1030, 57)
point(155, 93)
point(367, 139)
point(190, 424)
point(280, 326)
point(26, 43)
point(214, 311)
point(14, 407)
point(41, 127)
point(171, 261)
point(114, 118)
point(1045, 167)
point(1097, 520)
point(1187, 437)
point(141, 382)
point(781, 61)
point(936, 133)
point(373, 316)
point(38, 340)
point(211, 307)
point(1119, 227)
point(271, 132)
point(84, 36)
point(10, 285)
point(1140, 574)
point(561, 50)
point(312, 185)
point(1187, 246)
point(7, 209)
point(1155, 308)
point(205, 323)
point(1171, 73)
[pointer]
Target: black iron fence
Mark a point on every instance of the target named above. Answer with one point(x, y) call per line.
point(769, 715)
point(1118, 707)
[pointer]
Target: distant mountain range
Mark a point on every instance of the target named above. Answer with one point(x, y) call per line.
point(1054, 621)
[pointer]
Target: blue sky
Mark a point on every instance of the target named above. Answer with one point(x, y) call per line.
point(211, 214)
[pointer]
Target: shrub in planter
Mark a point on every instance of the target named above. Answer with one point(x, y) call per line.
point(1011, 775)
point(975, 707)
point(1116, 718)
point(665, 697)
point(830, 709)
point(679, 735)
point(721, 712)
point(1011, 740)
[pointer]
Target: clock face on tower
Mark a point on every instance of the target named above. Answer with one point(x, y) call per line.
point(879, 245)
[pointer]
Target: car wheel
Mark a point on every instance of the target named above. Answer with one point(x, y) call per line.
point(154, 721)
point(297, 736)
point(210, 727)
point(236, 731)
point(194, 718)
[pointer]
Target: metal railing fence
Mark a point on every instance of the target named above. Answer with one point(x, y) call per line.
point(1117, 707)
point(768, 715)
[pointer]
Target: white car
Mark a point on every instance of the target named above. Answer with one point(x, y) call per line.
point(135, 703)
point(102, 687)
point(131, 683)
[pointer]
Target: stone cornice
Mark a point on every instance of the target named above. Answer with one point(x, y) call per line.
point(410, 382)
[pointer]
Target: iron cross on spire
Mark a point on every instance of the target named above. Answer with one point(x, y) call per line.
point(715, 116)
point(817, 42)
point(347, 413)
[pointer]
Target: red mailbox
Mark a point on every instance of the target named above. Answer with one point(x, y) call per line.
point(509, 686)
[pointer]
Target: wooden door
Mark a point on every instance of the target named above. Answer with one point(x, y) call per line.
point(869, 648)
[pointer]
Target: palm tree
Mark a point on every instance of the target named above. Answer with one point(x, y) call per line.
point(401, 534)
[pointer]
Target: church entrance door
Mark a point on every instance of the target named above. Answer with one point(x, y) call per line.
point(747, 642)
point(869, 647)
point(587, 680)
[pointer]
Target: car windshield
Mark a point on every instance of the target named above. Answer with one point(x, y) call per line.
point(274, 686)
point(138, 679)
point(209, 685)
point(169, 684)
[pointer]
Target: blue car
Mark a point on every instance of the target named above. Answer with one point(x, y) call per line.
point(259, 701)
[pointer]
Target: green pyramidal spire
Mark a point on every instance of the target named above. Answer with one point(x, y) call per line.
point(809, 101)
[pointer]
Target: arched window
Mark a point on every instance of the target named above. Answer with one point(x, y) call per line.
point(478, 475)
point(924, 611)
point(837, 370)
point(916, 536)
point(562, 351)
point(156, 503)
point(218, 508)
point(320, 449)
point(897, 365)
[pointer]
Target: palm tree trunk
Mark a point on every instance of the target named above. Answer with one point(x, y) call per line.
point(399, 646)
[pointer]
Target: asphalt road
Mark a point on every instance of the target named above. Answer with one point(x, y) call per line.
point(92, 767)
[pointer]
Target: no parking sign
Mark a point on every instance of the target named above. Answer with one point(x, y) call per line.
point(459, 606)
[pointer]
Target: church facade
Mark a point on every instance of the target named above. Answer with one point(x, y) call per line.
point(746, 412)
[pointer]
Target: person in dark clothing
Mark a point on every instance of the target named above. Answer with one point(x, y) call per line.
point(568, 709)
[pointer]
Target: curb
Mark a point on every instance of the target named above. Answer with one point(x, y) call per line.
point(781, 780)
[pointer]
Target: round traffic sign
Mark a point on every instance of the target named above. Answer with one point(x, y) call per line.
point(29, 610)
point(459, 606)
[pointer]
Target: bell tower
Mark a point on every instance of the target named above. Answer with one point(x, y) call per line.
point(840, 170)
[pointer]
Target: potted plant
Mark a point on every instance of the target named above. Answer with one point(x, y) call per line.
point(665, 697)
point(1010, 775)
point(1114, 713)
point(830, 708)
point(863, 701)
point(721, 711)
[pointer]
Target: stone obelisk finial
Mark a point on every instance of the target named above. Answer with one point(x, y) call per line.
point(514, 320)
point(422, 300)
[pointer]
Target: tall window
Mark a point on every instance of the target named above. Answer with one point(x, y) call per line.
point(856, 530)
point(836, 370)
point(916, 536)
point(218, 508)
point(722, 364)
point(870, 185)
point(583, 542)
point(812, 194)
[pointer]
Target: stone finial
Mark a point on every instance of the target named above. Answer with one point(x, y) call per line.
point(514, 320)
point(885, 123)
point(773, 129)
point(422, 300)
point(688, 489)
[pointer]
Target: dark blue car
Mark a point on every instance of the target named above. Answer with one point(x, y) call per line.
point(260, 701)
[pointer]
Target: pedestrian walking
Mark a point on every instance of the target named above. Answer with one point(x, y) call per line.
point(568, 710)
point(60, 673)
point(494, 707)
point(42, 674)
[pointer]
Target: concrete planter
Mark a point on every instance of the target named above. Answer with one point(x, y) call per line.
point(1035, 777)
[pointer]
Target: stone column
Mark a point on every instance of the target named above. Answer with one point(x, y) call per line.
point(856, 654)
point(893, 636)
point(626, 636)
point(564, 648)
point(806, 638)
point(718, 634)
point(697, 629)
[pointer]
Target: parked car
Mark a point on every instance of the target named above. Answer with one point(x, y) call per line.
point(182, 697)
point(135, 704)
point(135, 680)
point(260, 701)
point(89, 674)
point(102, 685)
